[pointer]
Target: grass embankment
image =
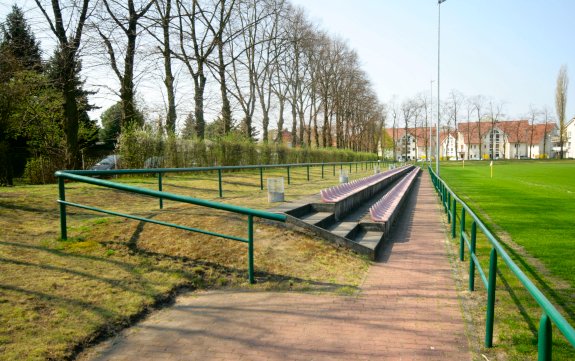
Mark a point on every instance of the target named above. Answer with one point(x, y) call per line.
point(530, 206)
point(58, 296)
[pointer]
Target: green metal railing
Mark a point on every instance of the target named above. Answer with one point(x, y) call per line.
point(550, 314)
point(288, 167)
point(251, 213)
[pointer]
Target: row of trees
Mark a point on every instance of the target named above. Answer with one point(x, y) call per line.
point(264, 56)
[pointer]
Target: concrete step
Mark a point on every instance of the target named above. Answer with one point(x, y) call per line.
point(369, 239)
point(320, 219)
point(343, 229)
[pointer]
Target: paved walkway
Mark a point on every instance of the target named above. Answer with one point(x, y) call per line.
point(407, 310)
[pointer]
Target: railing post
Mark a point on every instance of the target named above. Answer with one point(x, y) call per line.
point(322, 166)
point(220, 182)
point(471, 254)
point(545, 339)
point(453, 217)
point(356, 167)
point(448, 208)
point(489, 319)
point(308, 173)
point(62, 196)
point(160, 189)
point(334, 170)
point(445, 204)
point(350, 164)
point(251, 249)
point(261, 178)
point(288, 176)
point(461, 233)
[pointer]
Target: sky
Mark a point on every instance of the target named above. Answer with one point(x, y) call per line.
point(509, 51)
point(506, 50)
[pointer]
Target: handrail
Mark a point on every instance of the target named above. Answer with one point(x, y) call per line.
point(220, 169)
point(203, 169)
point(62, 175)
point(550, 314)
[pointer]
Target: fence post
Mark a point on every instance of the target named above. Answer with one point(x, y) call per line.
point(471, 254)
point(288, 177)
point(261, 178)
point(491, 298)
point(160, 189)
point(545, 339)
point(308, 173)
point(251, 249)
point(220, 182)
point(461, 233)
point(334, 170)
point(322, 166)
point(350, 164)
point(448, 208)
point(356, 167)
point(446, 205)
point(453, 217)
point(62, 196)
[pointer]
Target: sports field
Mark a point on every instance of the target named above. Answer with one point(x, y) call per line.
point(532, 201)
point(530, 207)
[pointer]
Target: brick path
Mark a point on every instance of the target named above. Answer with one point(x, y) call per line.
point(407, 310)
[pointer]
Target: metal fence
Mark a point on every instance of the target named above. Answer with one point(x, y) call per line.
point(550, 315)
point(86, 176)
point(221, 169)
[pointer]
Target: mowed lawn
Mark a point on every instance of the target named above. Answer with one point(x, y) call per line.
point(532, 201)
point(58, 297)
point(530, 207)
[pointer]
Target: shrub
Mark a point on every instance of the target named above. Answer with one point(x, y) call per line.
point(136, 145)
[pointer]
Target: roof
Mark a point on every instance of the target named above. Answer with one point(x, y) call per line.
point(517, 131)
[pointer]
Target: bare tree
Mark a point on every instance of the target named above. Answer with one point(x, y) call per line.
point(546, 121)
point(560, 104)
point(534, 114)
point(128, 24)
point(68, 51)
point(469, 107)
point(162, 18)
point(197, 43)
point(455, 102)
point(395, 120)
point(478, 103)
point(408, 109)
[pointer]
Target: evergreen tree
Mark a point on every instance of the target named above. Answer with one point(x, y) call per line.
point(19, 52)
point(19, 49)
point(88, 128)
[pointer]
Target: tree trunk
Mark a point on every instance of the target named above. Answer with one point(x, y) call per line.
point(294, 140)
point(199, 85)
point(279, 138)
point(169, 80)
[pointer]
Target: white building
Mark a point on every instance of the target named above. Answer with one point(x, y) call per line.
point(513, 139)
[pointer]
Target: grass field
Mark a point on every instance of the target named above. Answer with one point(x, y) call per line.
point(58, 296)
point(530, 206)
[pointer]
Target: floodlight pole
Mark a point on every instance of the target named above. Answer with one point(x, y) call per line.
point(438, 73)
point(430, 123)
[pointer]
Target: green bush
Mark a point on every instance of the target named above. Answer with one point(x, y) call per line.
point(136, 145)
point(40, 170)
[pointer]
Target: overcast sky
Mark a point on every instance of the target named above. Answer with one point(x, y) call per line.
point(508, 50)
